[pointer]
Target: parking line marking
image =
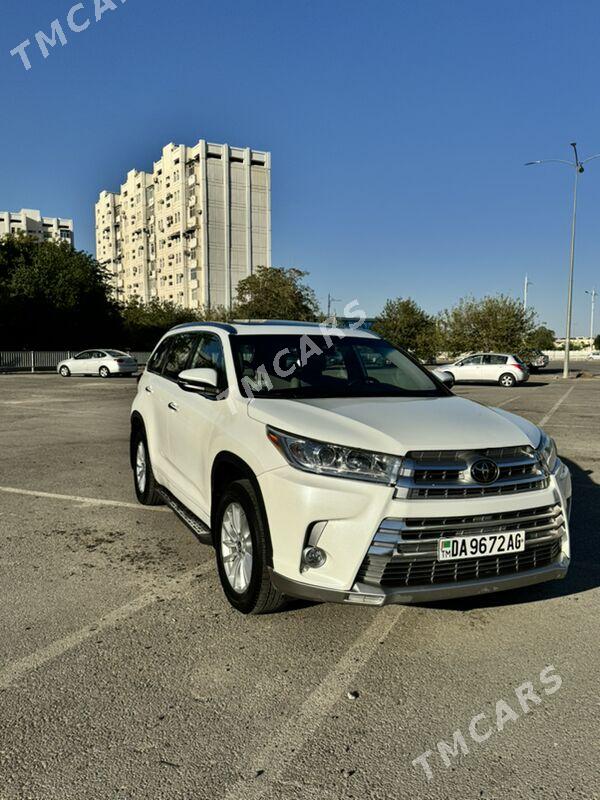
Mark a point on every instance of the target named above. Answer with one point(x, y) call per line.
point(287, 739)
point(89, 501)
point(555, 407)
point(166, 591)
point(506, 402)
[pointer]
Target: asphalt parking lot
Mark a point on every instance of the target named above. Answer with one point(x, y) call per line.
point(124, 673)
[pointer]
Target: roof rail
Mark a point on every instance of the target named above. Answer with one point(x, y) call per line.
point(290, 322)
point(223, 326)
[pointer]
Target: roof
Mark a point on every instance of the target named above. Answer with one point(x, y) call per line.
point(270, 327)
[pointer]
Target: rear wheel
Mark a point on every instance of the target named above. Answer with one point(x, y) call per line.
point(104, 372)
point(507, 380)
point(241, 539)
point(65, 371)
point(143, 476)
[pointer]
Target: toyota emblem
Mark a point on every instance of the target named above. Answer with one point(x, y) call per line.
point(484, 471)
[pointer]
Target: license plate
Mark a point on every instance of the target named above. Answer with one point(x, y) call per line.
point(490, 544)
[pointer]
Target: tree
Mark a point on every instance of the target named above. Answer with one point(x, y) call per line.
point(53, 296)
point(404, 324)
point(145, 323)
point(597, 342)
point(542, 338)
point(275, 293)
point(497, 323)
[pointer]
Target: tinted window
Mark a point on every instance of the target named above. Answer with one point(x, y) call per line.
point(180, 351)
point(209, 354)
point(85, 354)
point(468, 362)
point(492, 359)
point(157, 359)
point(299, 365)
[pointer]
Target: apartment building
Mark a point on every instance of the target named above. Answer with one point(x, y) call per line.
point(191, 229)
point(31, 222)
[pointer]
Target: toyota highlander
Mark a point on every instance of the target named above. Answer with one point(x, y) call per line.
point(326, 464)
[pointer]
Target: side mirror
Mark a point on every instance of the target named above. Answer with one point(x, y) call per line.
point(447, 378)
point(201, 381)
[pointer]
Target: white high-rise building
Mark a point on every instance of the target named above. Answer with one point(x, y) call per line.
point(31, 222)
point(191, 229)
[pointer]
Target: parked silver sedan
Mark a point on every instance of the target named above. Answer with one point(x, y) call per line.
point(99, 362)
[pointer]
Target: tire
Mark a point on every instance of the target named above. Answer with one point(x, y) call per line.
point(65, 372)
point(104, 372)
point(254, 592)
point(507, 380)
point(143, 476)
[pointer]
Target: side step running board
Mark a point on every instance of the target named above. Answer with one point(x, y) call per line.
point(194, 523)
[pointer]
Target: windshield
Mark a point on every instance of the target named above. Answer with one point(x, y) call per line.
point(302, 365)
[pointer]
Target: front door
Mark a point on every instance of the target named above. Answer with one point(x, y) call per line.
point(83, 363)
point(469, 369)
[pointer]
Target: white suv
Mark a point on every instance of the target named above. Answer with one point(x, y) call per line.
point(326, 464)
point(507, 370)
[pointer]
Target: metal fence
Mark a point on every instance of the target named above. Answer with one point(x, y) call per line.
point(44, 360)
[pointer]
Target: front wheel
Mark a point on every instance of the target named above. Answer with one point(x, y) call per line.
point(104, 372)
point(65, 371)
point(241, 540)
point(507, 380)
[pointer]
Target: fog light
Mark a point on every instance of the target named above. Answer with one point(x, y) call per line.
point(313, 557)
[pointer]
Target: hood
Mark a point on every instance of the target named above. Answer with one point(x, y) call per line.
point(397, 424)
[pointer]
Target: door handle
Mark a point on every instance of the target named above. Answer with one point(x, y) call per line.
point(173, 406)
point(148, 389)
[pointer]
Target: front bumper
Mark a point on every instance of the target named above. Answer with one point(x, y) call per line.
point(365, 594)
point(347, 515)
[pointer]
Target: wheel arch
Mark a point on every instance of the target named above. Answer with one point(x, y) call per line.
point(228, 467)
point(137, 424)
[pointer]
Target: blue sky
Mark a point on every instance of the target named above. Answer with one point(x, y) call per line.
point(398, 131)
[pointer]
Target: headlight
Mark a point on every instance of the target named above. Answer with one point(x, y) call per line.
point(332, 459)
point(547, 451)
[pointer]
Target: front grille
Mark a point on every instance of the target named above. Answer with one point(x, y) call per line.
point(404, 551)
point(446, 474)
point(418, 573)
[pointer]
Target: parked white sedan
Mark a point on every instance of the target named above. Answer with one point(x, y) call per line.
point(99, 362)
point(502, 368)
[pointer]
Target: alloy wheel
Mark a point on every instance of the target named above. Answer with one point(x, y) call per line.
point(236, 547)
point(141, 467)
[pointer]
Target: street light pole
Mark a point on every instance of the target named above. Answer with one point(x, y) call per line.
point(528, 283)
point(593, 294)
point(330, 300)
point(577, 165)
point(571, 269)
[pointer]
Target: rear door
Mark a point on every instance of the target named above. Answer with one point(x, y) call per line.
point(167, 392)
point(492, 366)
point(193, 424)
point(154, 406)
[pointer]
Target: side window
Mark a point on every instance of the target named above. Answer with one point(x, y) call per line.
point(209, 353)
point(468, 362)
point(86, 354)
point(181, 348)
point(157, 359)
point(98, 354)
point(498, 359)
